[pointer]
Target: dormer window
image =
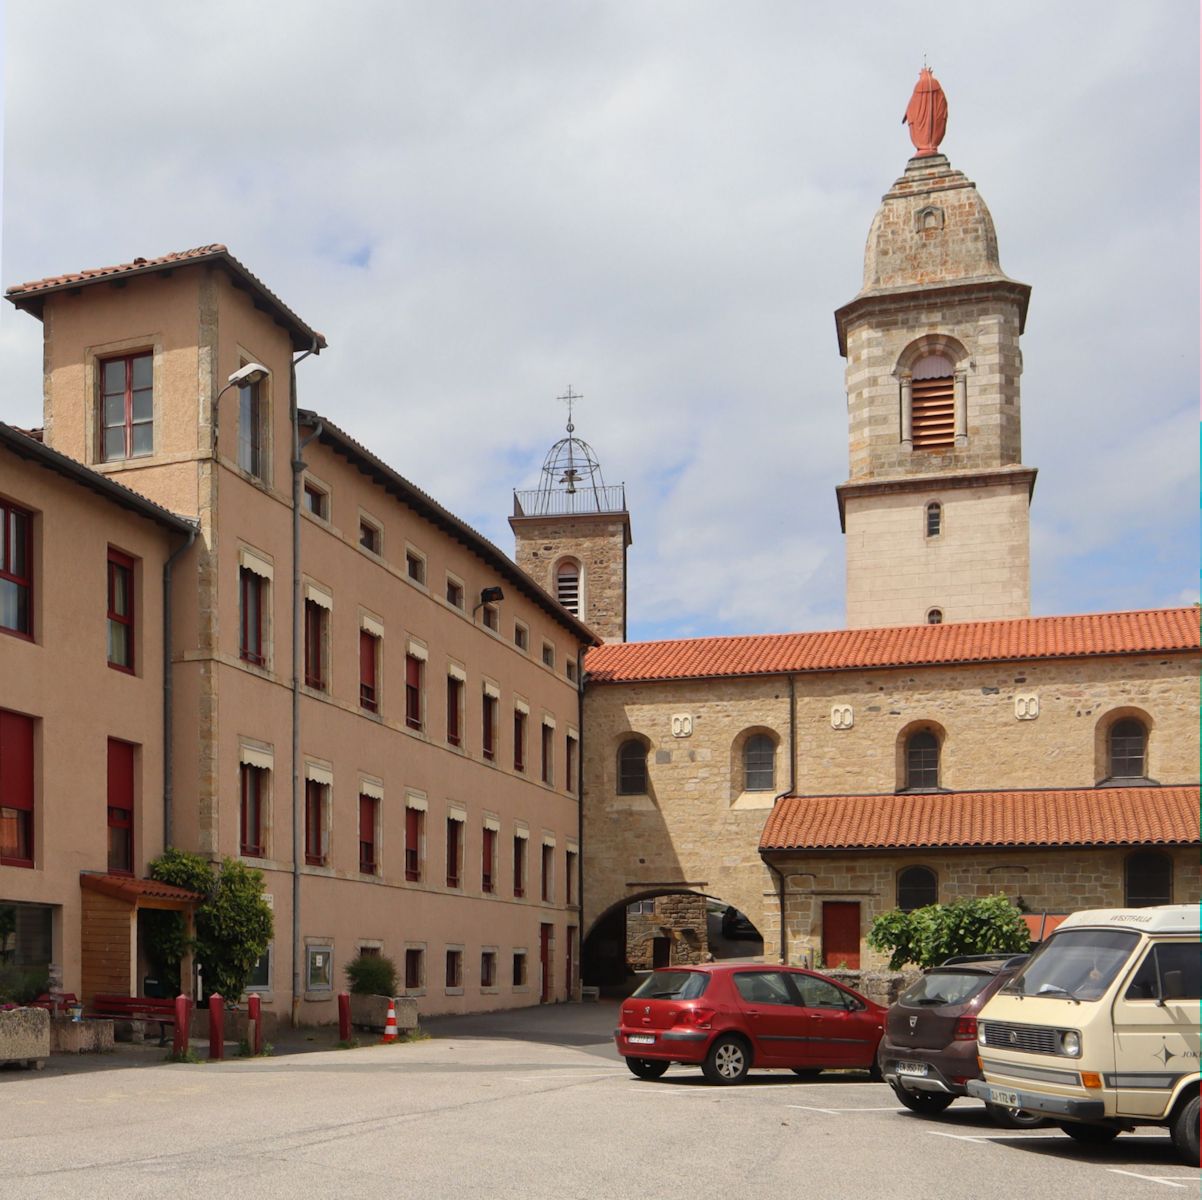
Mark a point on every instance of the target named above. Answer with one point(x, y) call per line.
point(933, 403)
point(127, 407)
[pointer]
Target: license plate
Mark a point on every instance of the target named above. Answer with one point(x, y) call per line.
point(1003, 1097)
point(641, 1039)
point(911, 1068)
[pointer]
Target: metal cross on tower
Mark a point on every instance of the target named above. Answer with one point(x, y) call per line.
point(570, 397)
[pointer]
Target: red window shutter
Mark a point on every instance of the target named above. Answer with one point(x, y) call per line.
point(490, 842)
point(367, 819)
point(121, 775)
point(411, 828)
point(16, 761)
point(367, 658)
point(413, 671)
point(452, 710)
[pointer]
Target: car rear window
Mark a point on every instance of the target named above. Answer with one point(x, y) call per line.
point(672, 985)
point(945, 987)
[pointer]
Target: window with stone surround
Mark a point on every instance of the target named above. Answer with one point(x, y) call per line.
point(759, 763)
point(567, 585)
point(916, 888)
point(632, 768)
point(1148, 879)
point(934, 519)
point(1127, 746)
point(921, 761)
point(933, 403)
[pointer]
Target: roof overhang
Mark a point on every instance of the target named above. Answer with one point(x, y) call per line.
point(140, 893)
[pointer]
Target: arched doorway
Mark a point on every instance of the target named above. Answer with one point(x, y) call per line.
point(659, 929)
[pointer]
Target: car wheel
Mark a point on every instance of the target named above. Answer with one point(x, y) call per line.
point(1015, 1118)
point(927, 1104)
point(874, 1071)
point(1089, 1135)
point(1185, 1132)
point(728, 1061)
point(647, 1068)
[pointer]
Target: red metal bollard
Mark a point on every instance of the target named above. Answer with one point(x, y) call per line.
point(183, 1026)
point(216, 1028)
point(254, 1016)
point(344, 1017)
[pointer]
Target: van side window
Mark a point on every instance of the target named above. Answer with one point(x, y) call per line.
point(1180, 971)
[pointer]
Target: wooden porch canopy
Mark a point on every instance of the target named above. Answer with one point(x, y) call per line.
point(110, 908)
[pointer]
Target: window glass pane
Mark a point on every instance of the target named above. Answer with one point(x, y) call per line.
point(114, 376)
point(916, 888)
point(1149, 880)
point(114, 443)
point(143, 439)
point(142, 371)
point(320, 973)
point(259, 978)
point(1127, 740)
point(763, 987)
point(759, 761)
point(6, 519)
point(120, 589)
point(14, 606)
point(945, 987)
point(143, 406)
point(817, 993)
point(672, 985)
point(18, 544)
point(118, 644)
point(114, 410)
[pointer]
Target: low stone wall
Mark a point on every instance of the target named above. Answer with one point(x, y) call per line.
point(371, 1012)
point(93, 1036)
point(882, 986)
point(25, 1036)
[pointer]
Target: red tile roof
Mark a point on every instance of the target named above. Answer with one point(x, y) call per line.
point(1155, 631)
point(29, 295)
point(122, 887)
point(1110, 816)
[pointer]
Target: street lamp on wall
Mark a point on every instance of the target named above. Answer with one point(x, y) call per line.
point(246, 376)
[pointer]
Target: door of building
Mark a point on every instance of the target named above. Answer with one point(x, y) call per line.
point(570, 939)
point(661, 952)
point(841, 933)
point(546, 984)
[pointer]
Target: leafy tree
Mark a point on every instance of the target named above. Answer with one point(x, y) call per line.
point(233, 922)
point(928, 936)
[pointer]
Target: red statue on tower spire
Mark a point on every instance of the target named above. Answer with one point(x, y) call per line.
point(926, 114)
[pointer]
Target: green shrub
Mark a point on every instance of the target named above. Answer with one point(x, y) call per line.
point(372, 975)
point(928, 936)
point(20, 985)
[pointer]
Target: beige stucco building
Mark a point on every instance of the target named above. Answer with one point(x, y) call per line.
point(385, 722)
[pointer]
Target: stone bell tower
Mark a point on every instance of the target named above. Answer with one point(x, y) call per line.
point(936, 505)
point(571, 534)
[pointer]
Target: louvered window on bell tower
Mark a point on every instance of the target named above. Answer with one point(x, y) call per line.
point(933, 403)
point(567, 586)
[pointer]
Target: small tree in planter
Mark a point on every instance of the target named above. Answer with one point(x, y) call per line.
point(928, 936)
point(372, 979)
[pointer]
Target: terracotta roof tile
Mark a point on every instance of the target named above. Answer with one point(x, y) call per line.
point(1147, 632)
point(123, 887)
point(28, 295)
point(1110, 816)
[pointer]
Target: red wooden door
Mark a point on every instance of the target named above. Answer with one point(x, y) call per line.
point(544, 961)
point(841, 933)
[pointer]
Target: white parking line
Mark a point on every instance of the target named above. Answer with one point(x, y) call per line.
point(993, 1137)
point(1167, 1180)
point(834, 1112)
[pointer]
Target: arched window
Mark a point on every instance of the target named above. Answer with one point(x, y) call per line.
point(922, 760)
point(934, 616)
point(916, 888)
point(759, 763)
point(1128, 749)
point(1148, 879)
point(934, 519)
point(933, 403)
point(632, 768)
point(567, 585)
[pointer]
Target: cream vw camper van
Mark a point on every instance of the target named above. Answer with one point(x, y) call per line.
point(1099, 1029)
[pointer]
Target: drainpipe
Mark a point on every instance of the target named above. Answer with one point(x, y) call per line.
point(780, 877)
point(580, 653)
point(168, 706)
point(298, 469)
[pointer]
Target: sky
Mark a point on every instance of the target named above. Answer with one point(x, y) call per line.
point(661, 204)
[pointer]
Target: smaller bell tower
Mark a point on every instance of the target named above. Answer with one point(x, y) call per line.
point(572, 531)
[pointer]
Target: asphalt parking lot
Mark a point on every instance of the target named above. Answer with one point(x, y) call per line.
point(532, 1104)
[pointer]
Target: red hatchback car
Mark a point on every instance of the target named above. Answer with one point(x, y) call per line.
point(727, 1018)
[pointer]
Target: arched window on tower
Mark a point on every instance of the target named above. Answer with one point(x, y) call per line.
point(916, 888)
point(1128, 749)
point(934, 616)
point(922, 760)
point(934, 519)
point(1148, 879)
point(933, 404)
point(759, 763)
point(567, 585)
point(632, 768)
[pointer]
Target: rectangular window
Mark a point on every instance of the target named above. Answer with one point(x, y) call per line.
point(492, 619)
point(259, 979)
point(454, 709)
point(569, 876)
point(16, 570)
point(571, 670)
point(370, 537)
point(252, 591)
point(454, 851)
point(121, 610)
point(569, 760)
point(254, 799)
point(454, 592)
point(489, 727)
point(121, 807)
point(16, 790)
point(252, 431)
point(317, 798)
point(519, 740)
point(369, 808)
point(488, 865)
point(413, 970)
point(413, 691)
point(547, 873)
point(488, 968)
point(317, 501)
point(519, 867)
point(127, 407)
point(415, 566)
point(548, 754)
point(319, 973)
point(521, 636)
point(316, 624)
point(519, 968)
point(548, 655)
point(413, 844)
point(454, 968)
point(369, 657)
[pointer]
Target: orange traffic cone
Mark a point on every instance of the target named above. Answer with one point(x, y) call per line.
point(389, 1025)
